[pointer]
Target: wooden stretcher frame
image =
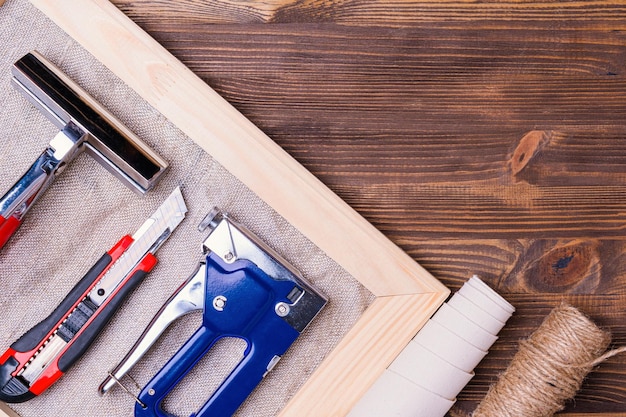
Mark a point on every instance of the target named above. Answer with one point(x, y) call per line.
point(406, 295)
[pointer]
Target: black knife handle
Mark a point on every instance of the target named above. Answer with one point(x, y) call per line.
point(103, 315)
point(32, 338)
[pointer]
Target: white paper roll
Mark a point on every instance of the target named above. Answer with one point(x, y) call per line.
point(393, 395)
point(459, 324)
point(430, 371)
point(478, 297)
point(435, 366)
point(449, 346)
point(475, 314)
point(479, 284)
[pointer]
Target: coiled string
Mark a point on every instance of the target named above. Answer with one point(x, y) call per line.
point(549, 367)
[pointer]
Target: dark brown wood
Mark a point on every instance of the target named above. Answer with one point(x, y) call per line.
point(483, 138)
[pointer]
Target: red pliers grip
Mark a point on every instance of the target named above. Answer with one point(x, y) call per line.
point(73, 326)
point(8, 226)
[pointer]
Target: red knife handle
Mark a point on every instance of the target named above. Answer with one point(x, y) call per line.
point(14, 388)
point(90, 331)
point(8, 226)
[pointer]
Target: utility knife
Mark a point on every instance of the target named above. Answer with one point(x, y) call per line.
point(44, 353)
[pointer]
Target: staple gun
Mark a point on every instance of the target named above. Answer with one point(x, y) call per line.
point(245, 290)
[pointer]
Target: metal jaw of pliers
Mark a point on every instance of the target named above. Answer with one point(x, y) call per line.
point(245, 290)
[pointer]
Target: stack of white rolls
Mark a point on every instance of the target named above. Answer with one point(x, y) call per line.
point(424, 380)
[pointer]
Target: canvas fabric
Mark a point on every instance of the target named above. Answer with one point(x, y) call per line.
point(87, 210)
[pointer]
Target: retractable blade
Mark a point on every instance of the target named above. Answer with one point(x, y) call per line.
point(44, 353)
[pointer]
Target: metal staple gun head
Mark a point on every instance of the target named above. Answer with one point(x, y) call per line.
point(245, 290)
point(84, 125)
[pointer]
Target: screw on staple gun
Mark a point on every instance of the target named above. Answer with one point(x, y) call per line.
point(245, 290)
point(84, 125)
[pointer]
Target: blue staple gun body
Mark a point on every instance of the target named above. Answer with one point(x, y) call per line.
point(245, 290)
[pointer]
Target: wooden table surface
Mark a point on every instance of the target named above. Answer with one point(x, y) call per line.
point(483, 138)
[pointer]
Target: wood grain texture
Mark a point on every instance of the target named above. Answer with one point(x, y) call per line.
point(481, 137)
point(5, 411)
point(490, 14)
point(421, 122)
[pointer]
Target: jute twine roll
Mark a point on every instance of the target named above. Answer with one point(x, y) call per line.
point(549, 367)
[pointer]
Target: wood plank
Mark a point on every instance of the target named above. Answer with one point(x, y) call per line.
point(5, 411)
point(528, 266)
point(373, 13)
point(421, 123)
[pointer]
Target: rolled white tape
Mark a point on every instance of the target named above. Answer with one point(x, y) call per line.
point(480, 285)
point(449, 346)
point(478, 297)
point(461, 325)
point(430, 371)
point(475, 314)
point(393, 395)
